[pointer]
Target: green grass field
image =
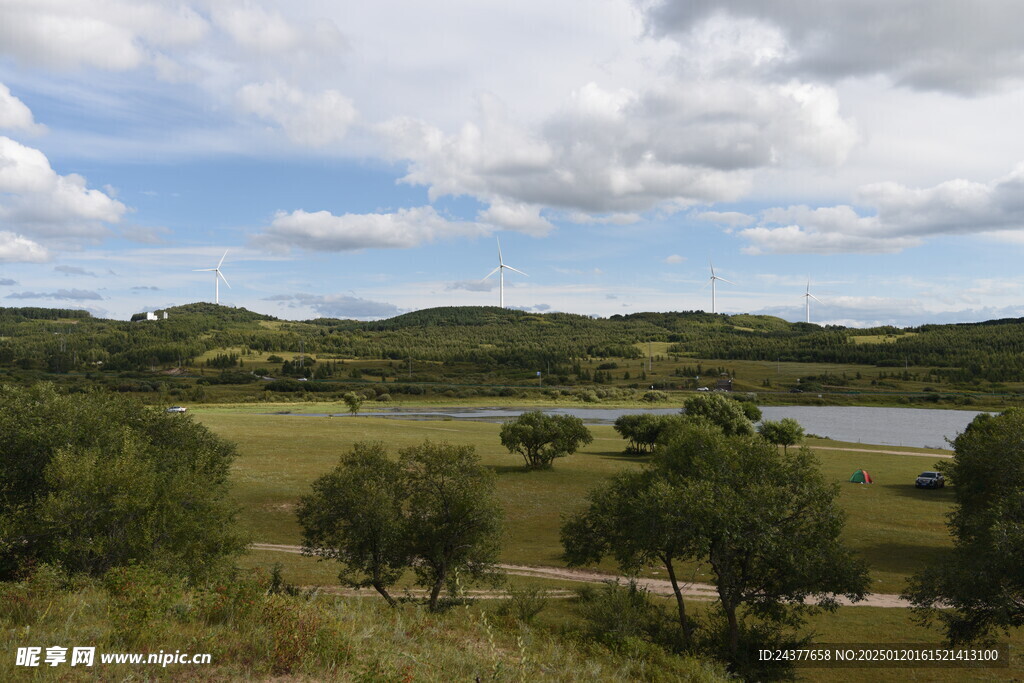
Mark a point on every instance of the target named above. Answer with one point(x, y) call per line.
point(894, 526)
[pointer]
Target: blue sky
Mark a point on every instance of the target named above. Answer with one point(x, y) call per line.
point(362, 161)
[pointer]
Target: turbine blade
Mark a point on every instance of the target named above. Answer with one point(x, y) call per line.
point(724, 280)
point(500, 262)
point(712, 267)
point(221, 275)
point(515, 269)
point(222, 259)
point(815, 298)
point(704, 286)
point(490, 273)
point(203, 270)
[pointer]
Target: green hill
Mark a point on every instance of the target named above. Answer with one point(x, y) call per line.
point(487, 345)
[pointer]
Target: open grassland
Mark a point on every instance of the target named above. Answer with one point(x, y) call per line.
point(895, 526)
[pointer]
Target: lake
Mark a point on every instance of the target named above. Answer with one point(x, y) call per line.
point(917, 427)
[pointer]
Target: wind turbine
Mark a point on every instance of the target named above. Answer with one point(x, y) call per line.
point(711, 280)
point(500, 270)
point(807, 300)
point(217, 276)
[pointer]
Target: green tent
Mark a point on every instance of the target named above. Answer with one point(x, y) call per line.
point(861, 477)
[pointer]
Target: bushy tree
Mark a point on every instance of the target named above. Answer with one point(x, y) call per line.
point(642, 430)
point(727, 414)
point(354, 515)
point(433, 511)
point(785, 432)
point(979, 587)
point(639, 518)
point(767, 524)
point(541, 438)
point(93, 481)
point(453, 517)
point(353, 401)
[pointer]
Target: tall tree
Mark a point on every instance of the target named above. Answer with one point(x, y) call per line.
point(354, 515)
point(785, 432)
point(725, 413)
point(353, 401)
point(454, 520)
point(767, 523)
point(771, 525)
point(639, 518)
point(979, 587)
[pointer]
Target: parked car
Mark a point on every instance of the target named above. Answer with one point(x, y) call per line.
point(930, 480)
point(176, 409)
point(703, 389)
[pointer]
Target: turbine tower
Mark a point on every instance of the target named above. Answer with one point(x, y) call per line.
point(807, 300)
point(711, 281)
point(500, 270)
point(217, 277)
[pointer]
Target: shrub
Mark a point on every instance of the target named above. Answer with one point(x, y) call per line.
point(95, 481)
point(524, 604)
point(654, 396)
point(613, 613)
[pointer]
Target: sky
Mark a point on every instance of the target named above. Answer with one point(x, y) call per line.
point(362, 160)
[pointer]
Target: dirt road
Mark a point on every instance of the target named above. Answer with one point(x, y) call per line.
point(697, 591)
point(875, 450)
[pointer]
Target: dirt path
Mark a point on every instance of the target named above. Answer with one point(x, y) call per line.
point(697, 591)
point(871, 450)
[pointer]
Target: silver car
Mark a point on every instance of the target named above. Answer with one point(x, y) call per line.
point(930, 480)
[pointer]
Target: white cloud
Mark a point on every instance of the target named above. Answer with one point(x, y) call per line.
point(674, 259)
point(74, 270)
point(313, 120)
point(676, 143)
point(64, 294)
point(902, 217)
point(338, 305)
point(43, 203)
point(949, 45)
point(516, 216)
point(323, 231)
point(472, 285)
point(18, 249)
point(254, 27)
point(257, 29)
point(732, 219)
point(602, 219)
point(14, 115)
point(115, 35)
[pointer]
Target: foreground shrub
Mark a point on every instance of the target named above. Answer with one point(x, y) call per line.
point(524, 604)
point(92, 481)
point(617, 615)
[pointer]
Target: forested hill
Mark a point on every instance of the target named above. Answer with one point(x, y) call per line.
point(57, 340)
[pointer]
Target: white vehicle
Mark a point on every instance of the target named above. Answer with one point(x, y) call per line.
point(176, 409)
point(703, 389)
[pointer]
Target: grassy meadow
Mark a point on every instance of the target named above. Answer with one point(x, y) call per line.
point(894, 526)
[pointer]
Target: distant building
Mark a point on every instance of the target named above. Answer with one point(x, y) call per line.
point(149, 315)
point(724, 383)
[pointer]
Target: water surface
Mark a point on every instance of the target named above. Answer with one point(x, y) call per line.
point(916, 427)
